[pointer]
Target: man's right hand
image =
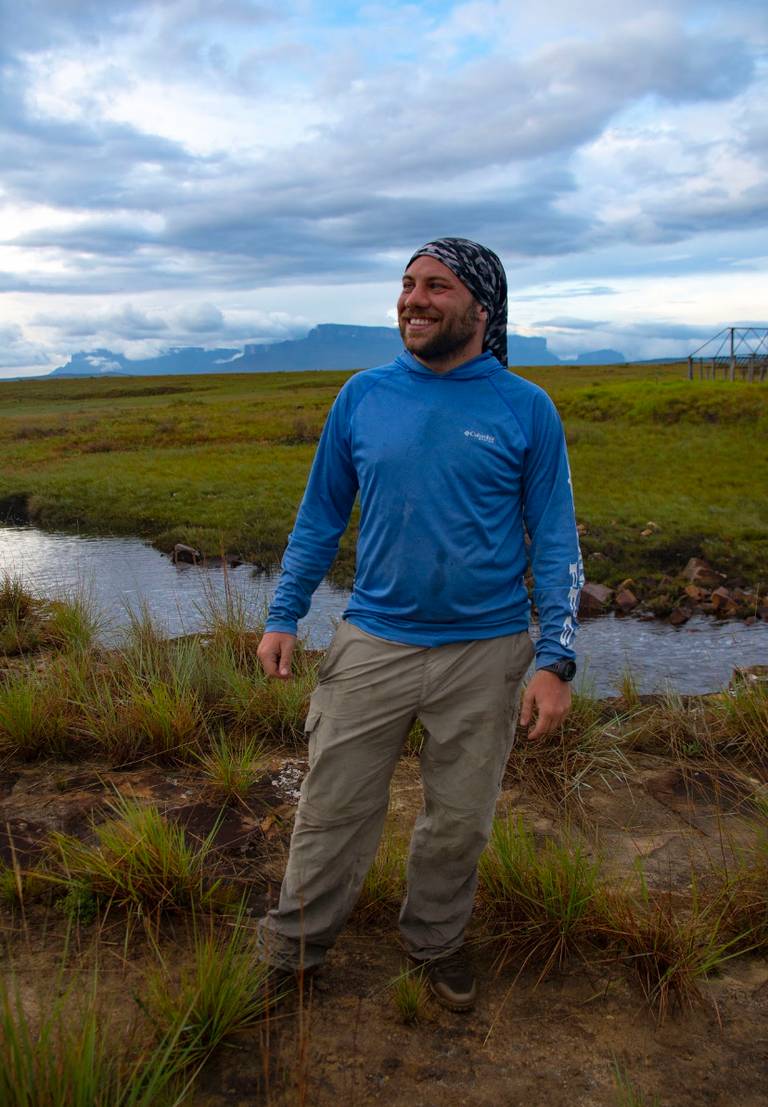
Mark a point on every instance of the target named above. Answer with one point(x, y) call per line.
point(274, 653)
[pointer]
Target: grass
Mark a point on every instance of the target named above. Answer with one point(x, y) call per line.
point(537, 900)
point(29, 623)
point(168, 700)
point(669, 946)
point(591, 743)
point(409, 996)
point(232, 767)
point(71, 1057)
point(139, 861)
point(236, 451)
point(225, 990)
point(627, 1095)
point(384, 885)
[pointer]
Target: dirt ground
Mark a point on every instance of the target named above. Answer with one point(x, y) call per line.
point(342, 1043)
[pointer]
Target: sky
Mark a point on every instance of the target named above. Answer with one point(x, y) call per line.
point(218, 172)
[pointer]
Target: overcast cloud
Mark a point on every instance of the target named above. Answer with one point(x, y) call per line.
point(212, 172)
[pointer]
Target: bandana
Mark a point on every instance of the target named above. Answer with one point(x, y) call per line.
point(479, 270)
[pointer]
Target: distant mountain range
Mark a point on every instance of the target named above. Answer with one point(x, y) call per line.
point(327, 346)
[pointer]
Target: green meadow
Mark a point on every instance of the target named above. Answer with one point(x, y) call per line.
point(219, 462)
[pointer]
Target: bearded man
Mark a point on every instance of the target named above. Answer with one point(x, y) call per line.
point(454, 459)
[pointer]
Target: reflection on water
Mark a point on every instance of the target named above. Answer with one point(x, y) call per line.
point(121, 574)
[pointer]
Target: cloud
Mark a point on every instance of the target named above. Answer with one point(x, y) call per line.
point(206, 147)
point(569, 323)
point(201, 318)
point(16, 351)
point(127, 322)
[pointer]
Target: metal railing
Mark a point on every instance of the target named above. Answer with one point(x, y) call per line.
point(732, 352)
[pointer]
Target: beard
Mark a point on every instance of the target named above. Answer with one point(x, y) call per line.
point(448, 340)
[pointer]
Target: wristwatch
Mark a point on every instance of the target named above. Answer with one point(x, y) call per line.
point(565, 668)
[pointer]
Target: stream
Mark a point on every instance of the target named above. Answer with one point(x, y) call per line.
point(121, 575)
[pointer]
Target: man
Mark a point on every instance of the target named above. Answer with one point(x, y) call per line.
point(453, 458)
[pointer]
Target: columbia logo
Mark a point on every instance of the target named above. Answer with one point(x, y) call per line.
point(479, 437)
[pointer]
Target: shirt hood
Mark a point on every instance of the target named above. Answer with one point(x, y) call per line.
point(482, 366)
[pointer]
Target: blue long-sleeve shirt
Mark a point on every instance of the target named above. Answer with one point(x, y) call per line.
point(451, 469)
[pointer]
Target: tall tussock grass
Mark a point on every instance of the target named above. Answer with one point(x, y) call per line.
point(153, 697)
point(537, 900)
point(669, 947)
point(71, 1056)
point(592, 742)
point(225, 989)
point(141, 861)
point(384, 886)
point(29, 623)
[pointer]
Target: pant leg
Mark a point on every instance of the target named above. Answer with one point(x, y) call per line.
point(469, 711)
point(359, 718)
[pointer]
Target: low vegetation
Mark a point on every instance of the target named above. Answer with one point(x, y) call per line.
point(219, 462)
point(134, 882)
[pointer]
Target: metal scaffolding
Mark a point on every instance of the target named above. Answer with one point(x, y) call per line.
point(742, 350)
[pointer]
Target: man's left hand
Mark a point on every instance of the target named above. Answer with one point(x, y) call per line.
point(548, 699)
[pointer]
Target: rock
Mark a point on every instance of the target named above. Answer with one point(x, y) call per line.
point(679, 615)
point(626, 600)
point(652, 526)
point(581, 528)
point(723, 602)
point(595, 599)
point(699, 571)
point(750, 674)
point(695, 593)
point(186, 554)
point(646, 533)
point(596, 556)
point(762, 612)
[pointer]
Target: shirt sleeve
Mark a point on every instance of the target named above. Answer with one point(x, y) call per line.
point(550, 520)
point(321, 520)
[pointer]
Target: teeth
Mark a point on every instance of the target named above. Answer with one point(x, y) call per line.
point(417, 322)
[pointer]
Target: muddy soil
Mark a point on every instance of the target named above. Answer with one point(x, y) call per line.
point(342, 1043)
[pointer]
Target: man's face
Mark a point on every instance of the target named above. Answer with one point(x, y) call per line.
point(440, 321)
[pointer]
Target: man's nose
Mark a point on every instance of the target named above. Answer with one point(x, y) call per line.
point(415, 296)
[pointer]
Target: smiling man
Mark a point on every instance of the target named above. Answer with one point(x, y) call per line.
point(454, 459)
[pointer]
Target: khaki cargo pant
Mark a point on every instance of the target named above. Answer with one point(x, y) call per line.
point(369, 692)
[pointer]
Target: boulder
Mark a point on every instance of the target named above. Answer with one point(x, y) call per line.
point(626, 600)
point(695, 593)
point(722, 601)
point(679, 615)
point(188, 555)
point(595, 599)
point(698, 571)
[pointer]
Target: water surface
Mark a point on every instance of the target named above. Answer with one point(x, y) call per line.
point(123, 574)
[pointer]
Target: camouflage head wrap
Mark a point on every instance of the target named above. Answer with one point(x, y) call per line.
point(479, 269)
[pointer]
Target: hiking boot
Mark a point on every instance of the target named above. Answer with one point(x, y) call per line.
point(451, 980)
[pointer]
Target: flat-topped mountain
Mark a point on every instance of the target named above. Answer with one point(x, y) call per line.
point(327, 346)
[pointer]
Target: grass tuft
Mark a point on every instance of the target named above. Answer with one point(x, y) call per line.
point(627, 1095)
point(225, 990)
point(384, 885)
point(669, 947)
point(233, 766)
point(537, 901)
point(140, 861)
point(409, 995)
point(75, 1058)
